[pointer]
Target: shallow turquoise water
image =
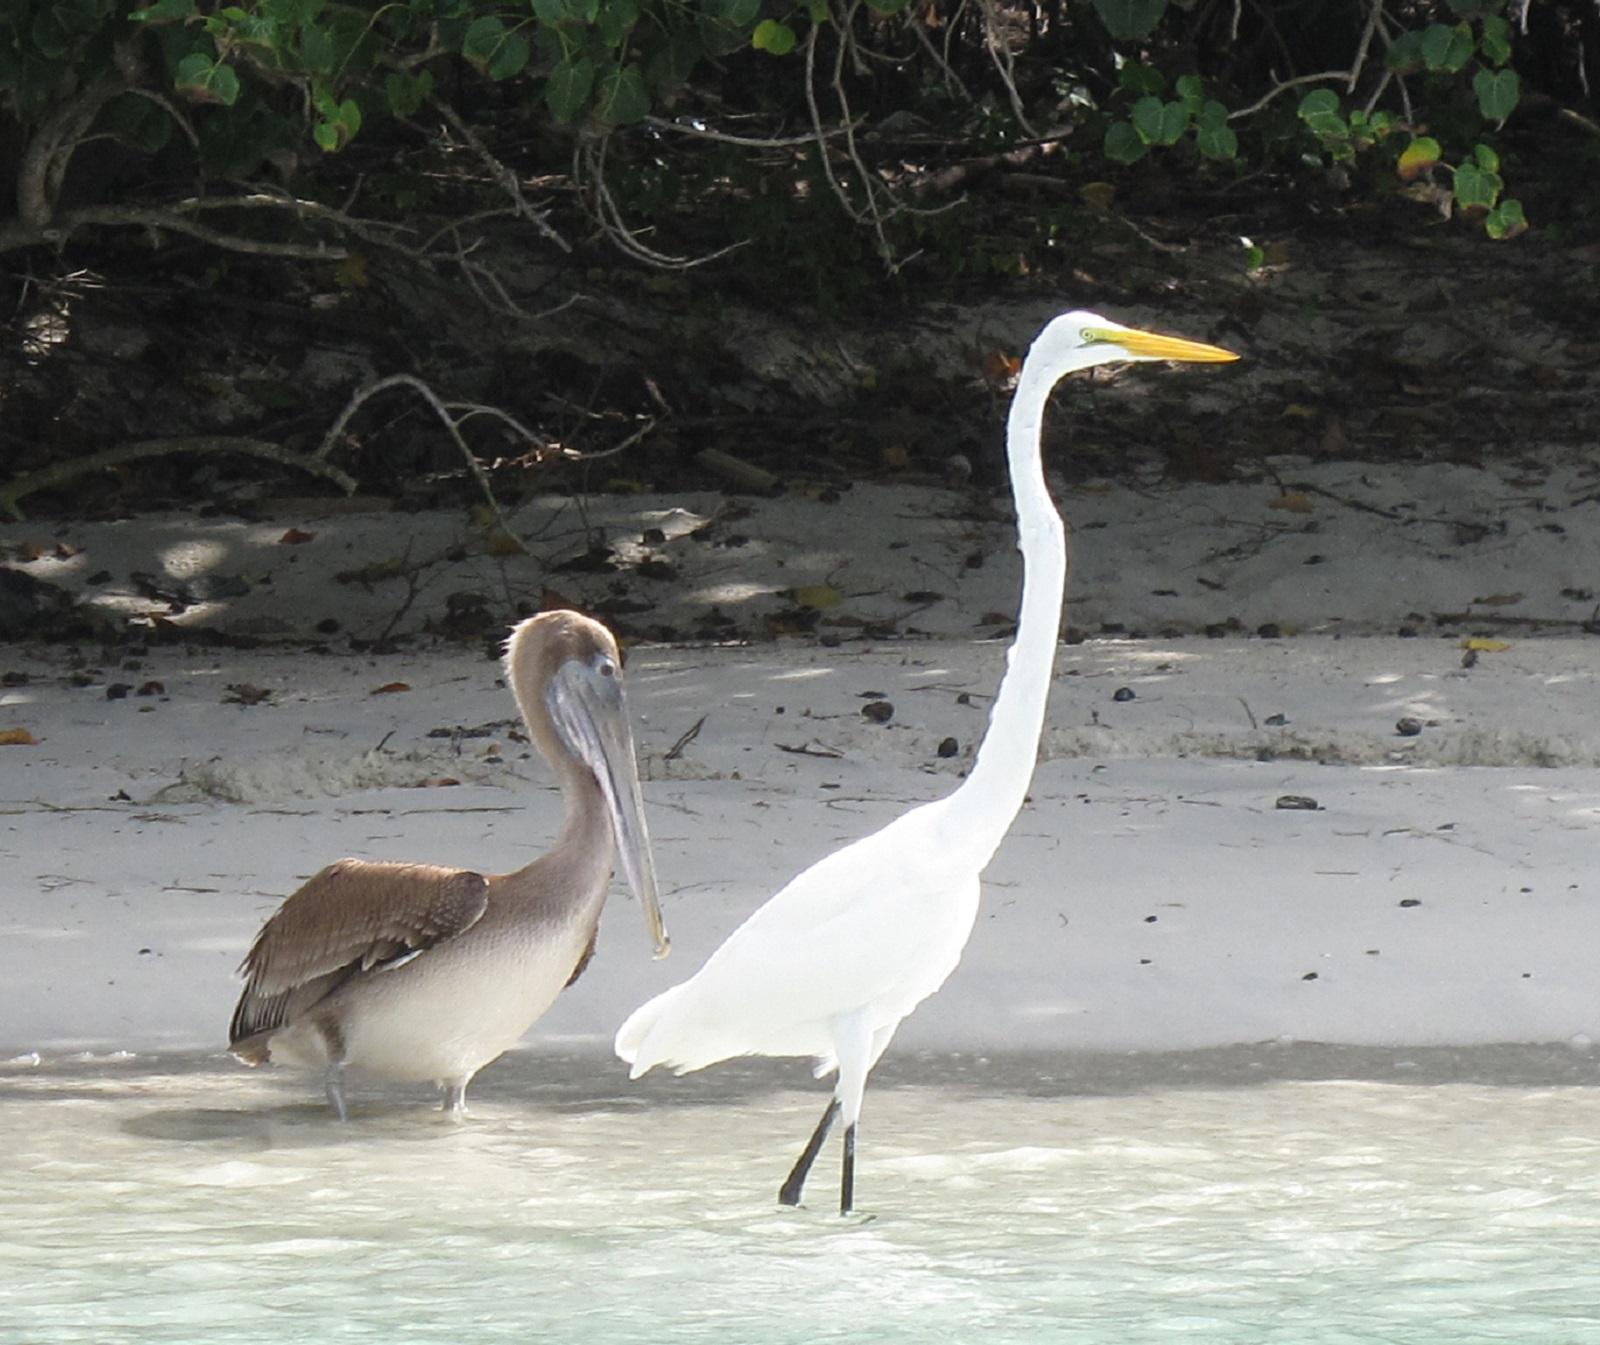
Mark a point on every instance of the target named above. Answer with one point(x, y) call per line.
point(1274, 1194)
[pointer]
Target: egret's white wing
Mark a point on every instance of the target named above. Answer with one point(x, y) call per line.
point(877, 926)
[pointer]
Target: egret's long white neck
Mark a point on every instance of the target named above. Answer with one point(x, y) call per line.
point(989, 799)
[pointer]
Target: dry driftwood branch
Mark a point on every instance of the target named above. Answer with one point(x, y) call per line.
point(59, 474)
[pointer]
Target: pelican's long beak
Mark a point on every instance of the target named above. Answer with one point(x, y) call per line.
point(1150, 346)
point(592, 713)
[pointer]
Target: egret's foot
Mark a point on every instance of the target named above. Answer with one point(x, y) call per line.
point(455, 1100)
point(789, 1192)
point(335, 1090)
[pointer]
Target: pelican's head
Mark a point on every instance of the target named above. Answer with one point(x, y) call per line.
point(566, 673)
point(1081, 340)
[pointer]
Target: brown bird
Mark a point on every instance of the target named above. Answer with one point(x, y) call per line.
point(415, 972)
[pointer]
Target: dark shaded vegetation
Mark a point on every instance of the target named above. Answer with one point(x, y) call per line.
point(621, 226)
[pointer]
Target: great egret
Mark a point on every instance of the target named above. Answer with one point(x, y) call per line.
point(416, 972)
point(833, 962)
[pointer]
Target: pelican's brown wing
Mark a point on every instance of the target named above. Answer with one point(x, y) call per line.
point(354, 916)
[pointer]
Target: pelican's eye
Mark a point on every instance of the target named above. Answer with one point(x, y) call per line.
point(605, 666)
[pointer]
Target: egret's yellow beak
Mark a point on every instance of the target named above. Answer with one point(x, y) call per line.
point(1150, 346)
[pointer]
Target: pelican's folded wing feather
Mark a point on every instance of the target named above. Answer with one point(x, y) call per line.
point(353, 917)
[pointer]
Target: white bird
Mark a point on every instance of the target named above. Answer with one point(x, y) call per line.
point(421, 973)
point(837, 958)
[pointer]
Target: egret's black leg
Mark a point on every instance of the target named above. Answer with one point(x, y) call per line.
point(789, 1192)
point(847, 1179)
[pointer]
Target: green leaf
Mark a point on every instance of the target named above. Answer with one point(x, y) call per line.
point(480, 42)
point(203, 80)
point(741, 12)
point(510, 57)
point(1486, 158)
point(887, 6)
point(1498, 92)
point(1160, 123)
point(326, 134)
point(1319, 102)
point(1191, 91)
point(1475, 189)
point(1137, 77)
point(1130, 20)
point(622, 96)
point(1405, 53)
point(615, 21)
point(1123, 143)
point(568, 88)
point(1446, 48)
point(1495, 39)
point(1422, 153)
point(408, 93)
point(551, 12)
point(1212, 114)
point(1506, 220)
point(138, 122)
point(164, 11)
point(225, 85)
point(317, 51)
point(1217, 142)
point(670, 65)
point(772, 36)
point(819, 11)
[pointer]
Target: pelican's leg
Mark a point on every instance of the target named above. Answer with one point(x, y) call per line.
point(334, 1086)
point(789, 1192)
point(455, 1099)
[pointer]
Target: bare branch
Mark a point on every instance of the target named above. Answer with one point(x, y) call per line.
point(59, 474)
point(504, 177)
point(1285, 87)
point(452, 427)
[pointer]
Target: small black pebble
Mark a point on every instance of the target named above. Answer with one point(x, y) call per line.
point(828, 641)
point(1150, 919)
point(879, 712)
point(13, 679)
point(1407, 632)
point(1269, 631)
point(118, 691)
point(1216, 631)
point(1298, 802)
point(948, 747)
point(144, 952)
point(1113, 628)
point(327, 626)
point(963, 699)
point(1309, 976)
point(99, 577)
point(1276, 721)
point(1144, 962)
point(974, 560)
point(1411, 901)
point(1313, 560)
point(1122, 694)
point(653, 537)
point(1408, 727)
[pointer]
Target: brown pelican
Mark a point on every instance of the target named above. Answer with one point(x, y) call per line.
point(833, 962)
point(417, 972)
